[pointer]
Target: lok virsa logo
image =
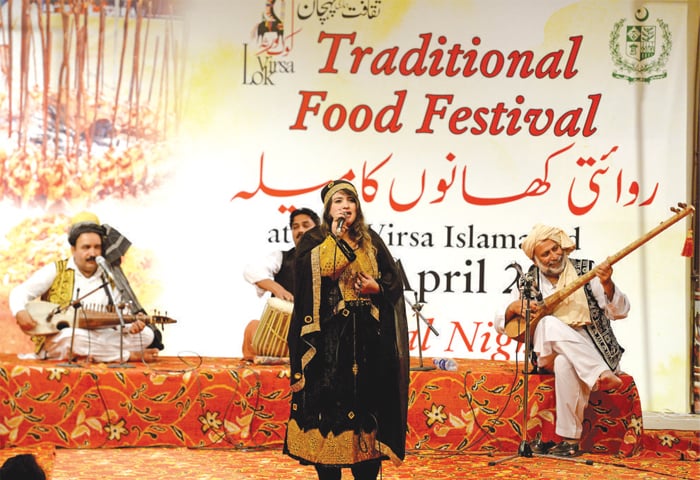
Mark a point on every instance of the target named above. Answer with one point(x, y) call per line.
point(640, 48)
point(269, 49)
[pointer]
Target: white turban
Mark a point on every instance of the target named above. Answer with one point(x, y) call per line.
point(541, 233)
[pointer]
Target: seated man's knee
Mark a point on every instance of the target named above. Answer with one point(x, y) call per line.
point(562, 365)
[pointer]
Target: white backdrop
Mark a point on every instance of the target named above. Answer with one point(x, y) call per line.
point(464, 159)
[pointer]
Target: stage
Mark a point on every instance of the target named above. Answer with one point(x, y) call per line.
point(226, 402)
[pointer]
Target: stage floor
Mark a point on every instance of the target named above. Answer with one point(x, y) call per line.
point(226, 402)
point(268, 463)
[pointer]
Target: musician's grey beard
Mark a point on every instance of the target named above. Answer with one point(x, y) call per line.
point(553, 268)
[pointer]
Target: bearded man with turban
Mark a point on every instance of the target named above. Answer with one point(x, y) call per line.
point(69, 280)
point(348, 346)
point(575, 341)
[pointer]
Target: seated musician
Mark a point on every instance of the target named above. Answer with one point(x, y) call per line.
point(575, 341)
point(275, 273)
point(79, 280)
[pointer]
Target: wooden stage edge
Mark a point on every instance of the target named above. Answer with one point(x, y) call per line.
point(205, 402)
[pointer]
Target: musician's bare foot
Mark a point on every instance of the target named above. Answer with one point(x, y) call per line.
point(607, 381)
point(147, 355)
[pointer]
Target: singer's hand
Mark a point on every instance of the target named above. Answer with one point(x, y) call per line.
point(365, 284)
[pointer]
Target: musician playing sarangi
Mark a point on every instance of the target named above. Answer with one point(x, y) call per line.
point(575, 341)
point(66, 281)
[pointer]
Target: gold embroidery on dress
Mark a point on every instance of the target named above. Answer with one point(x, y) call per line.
point(326, 259)
point(363, 263)
point(342, 449)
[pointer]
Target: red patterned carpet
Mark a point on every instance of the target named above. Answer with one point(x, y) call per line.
point(225, 402)
point(201, 419)
point(155, 463)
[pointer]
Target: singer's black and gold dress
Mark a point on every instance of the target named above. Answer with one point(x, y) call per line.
point(348, 355)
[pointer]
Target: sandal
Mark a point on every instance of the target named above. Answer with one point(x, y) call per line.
point(540, 447)
point(565, 449)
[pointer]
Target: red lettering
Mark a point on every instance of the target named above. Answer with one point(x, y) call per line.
point(417, 68)
point(387, 68)
point(531, 117)
point(480, 120)
point(328, 123)
point(432, 111)
point(365, 112)
point(588, 128)
point(452, 60)
point(515, 57)
point(569, 71)
point(336, 38)
point(306, 107)
point(461, 114)
point(514, 116)
point(358, 118)
point(496, 69)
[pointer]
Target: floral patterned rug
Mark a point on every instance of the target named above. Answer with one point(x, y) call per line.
point(159, 463)
point(224, 419)
point(229, 403)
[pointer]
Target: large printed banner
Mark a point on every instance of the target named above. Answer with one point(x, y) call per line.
point(194, 128)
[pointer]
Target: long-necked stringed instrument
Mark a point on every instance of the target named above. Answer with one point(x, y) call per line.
point(51, 318)
point(515, 328)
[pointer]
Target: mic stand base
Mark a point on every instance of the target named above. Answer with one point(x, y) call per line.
point(69, 364)
point(420, 368)
point(524, 450)
point(120, 365)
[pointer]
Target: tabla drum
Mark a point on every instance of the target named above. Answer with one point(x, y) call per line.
point(270, 338)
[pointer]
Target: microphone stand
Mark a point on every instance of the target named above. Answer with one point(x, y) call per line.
point(122, 325)
point(76, 305)
point(524, 449)
point(416, 307)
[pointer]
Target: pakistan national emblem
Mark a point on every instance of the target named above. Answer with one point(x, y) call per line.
point(640, 51)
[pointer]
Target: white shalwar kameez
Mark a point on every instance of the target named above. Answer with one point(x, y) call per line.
point(571, 354)
point(100, 344)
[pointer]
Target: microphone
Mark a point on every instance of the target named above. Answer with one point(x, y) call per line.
point(115, 279)
point(105, 267)
point(339, 226)
point(530, 280)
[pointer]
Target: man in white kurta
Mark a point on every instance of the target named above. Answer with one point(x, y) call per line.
point(561, 340)
point(81, 276)
point(274, 272)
